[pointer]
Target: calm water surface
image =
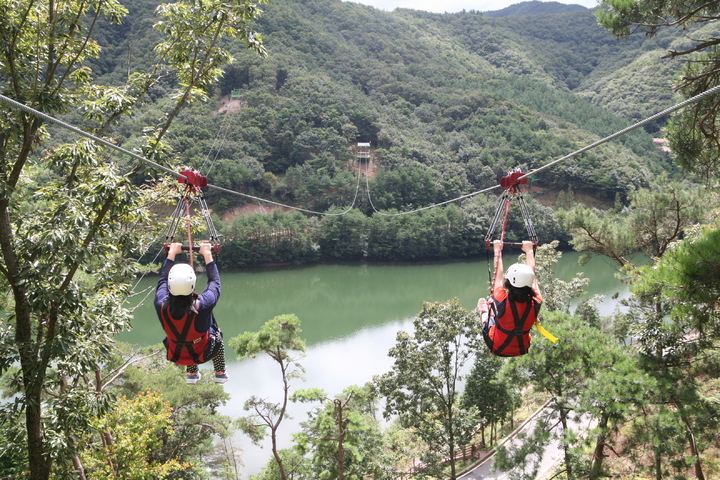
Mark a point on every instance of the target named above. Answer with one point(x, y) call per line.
point(349, 315)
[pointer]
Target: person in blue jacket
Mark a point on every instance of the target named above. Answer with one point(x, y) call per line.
point(193, 336)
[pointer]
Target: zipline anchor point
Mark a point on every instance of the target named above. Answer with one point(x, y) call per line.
point(511, 182)
point(193, 178)
point(195, 181)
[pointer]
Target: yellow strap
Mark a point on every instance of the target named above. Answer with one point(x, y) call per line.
point(544, 332)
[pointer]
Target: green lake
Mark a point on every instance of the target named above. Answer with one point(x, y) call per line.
point(349, 313)
point(334, 301)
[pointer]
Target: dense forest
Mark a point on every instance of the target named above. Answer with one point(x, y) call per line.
point(269, 100)
point(450, 104)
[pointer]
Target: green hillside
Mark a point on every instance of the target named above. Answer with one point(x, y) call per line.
point(449, 103)
point(454, 99)
point(535, 7)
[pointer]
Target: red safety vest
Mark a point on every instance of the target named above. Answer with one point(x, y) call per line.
point(511, 333)
point(185, 345)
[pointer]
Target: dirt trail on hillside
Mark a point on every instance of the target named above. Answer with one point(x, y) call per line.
point(228, 105)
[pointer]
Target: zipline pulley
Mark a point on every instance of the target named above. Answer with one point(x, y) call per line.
point(511, 183)
point(194, 183)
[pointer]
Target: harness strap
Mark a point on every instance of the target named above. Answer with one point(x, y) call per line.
point(197, 340)
point(545, 333)
point(180, 337)
point(518, 332)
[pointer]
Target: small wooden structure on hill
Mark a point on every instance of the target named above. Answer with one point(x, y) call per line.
point(362, 152)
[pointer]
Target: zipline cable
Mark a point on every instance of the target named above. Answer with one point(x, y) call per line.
point(665, 112)
point(367, 184)
point(142, 159)
point(661, 114)
point(227, 190)
point(94, 138)
point(226, 124)
point(83, 133)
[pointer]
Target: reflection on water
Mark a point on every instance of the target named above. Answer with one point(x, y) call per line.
point(332, 366)
point(349, 315)
point(334, 301)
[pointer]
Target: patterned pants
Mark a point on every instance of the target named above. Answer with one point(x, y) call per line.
point(218, 360)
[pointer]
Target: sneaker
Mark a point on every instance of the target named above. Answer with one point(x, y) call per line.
point(221, 377)
point(193, 378)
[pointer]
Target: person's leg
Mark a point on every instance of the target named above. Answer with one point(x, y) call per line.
point(217, 353)
point(219, 361)
point(483, 310)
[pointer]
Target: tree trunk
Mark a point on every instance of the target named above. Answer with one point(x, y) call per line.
point(693, 448)
point(598, 453)
point(566, 448)
point(39, 461)
point(451, 442)
point(512, 416)
point(274, 428)
point(79, 467)
point(76, 461)
point(341, 440)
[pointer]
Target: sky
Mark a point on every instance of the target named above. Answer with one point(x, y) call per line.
point(452, 6)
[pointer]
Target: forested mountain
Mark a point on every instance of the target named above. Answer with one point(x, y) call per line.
point(456, 93)
point(535, 8)
point(450, 102)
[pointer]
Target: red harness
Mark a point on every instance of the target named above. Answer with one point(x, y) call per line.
point(185, 345)
point(511, 333)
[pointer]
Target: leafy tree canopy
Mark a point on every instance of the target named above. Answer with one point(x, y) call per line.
point(423, 389)
point(66, 234)
point(694, 134)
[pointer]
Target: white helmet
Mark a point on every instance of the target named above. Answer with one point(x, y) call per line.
point(520, 275)
point(181, 279)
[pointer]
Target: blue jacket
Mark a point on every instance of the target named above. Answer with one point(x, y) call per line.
point(204, 321)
